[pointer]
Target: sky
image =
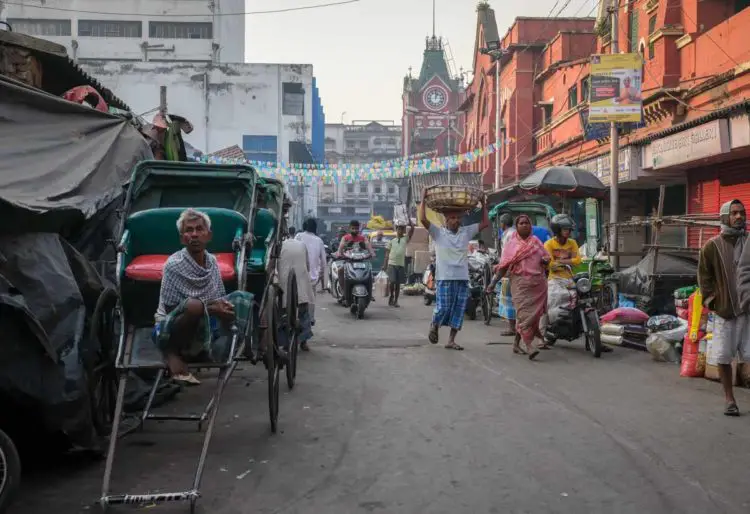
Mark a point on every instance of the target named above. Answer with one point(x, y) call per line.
point(361, 52)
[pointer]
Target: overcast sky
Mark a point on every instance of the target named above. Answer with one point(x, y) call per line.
point(361, 51)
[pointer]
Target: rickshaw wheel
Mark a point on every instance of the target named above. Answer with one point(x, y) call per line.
point(272, 359)
point(10, 471)
point(101, 371)
point(292, 327)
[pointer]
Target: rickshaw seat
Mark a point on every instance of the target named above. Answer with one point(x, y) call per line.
point(264, 226)
point(151, 237)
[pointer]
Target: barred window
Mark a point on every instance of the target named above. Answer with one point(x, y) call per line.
point(180, 30)
point(40, 27)
point(110, 28)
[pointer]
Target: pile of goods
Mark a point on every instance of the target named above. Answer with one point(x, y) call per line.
point(416, 289)
point(452, 198)
point(625, 326)
point(379, 223)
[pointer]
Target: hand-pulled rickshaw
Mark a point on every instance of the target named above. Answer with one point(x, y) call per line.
point(247, 224)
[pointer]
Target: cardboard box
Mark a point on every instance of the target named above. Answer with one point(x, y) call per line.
point(712, 372)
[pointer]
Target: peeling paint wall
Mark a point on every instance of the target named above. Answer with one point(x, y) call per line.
point(223, 102)
point(226, 45)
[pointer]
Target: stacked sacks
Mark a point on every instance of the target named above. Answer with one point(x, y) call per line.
point(624, 326)
point(695, 343)
point(666, 334)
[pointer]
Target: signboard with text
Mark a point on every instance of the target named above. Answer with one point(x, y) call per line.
point(615, 88)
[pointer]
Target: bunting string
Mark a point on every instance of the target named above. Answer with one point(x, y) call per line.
point(297, 173)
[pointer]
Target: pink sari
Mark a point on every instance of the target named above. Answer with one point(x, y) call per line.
point(528, 283)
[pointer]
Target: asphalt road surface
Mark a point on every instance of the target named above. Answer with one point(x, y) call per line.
point(381, 421)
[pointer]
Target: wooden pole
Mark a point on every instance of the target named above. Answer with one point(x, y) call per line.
point(163, 100)
point(655, 238)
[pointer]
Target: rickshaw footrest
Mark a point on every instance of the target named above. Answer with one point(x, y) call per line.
point(133, 499)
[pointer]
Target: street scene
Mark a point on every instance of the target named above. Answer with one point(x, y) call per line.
point(392, 256)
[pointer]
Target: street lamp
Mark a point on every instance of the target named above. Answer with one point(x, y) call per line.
point(495, 52)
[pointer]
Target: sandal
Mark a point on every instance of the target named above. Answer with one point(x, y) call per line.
point(533, 351)
point(433, 335)
point(732, 410)
point(454, 346)
point(518, 350)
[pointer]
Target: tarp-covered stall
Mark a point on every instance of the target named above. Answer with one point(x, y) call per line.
point(62, 171)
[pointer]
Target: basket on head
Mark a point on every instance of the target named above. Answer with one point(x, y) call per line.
point(452, 198)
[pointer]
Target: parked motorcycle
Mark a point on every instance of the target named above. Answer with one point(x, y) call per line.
point(479, 271)
point(10, 471)
point(356, 291)
point(578, 317)
point(428, 281)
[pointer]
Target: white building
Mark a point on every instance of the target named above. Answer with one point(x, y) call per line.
point(157, 30)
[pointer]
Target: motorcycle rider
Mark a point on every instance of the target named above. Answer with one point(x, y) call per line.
point(351, 240)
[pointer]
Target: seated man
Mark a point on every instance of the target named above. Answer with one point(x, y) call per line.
point(193, 301)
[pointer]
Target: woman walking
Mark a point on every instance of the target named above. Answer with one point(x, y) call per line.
point(524, 261)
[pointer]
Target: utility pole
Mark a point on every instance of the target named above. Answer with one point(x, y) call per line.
point(163, 100)
point(498, 147)
point(614, 167)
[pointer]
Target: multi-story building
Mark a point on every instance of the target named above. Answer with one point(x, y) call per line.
point(136, 30)
point(361, 142)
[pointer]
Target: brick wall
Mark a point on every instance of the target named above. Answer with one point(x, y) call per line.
point(19, 64)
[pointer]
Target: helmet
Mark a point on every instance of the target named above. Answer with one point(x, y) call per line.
point(559, 222)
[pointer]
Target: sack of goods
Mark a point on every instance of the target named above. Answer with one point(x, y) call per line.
point(400, 215)
point(561, 298)
point(452, 198)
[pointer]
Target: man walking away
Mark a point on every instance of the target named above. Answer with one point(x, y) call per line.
point(316, 259)
point(452, 270)
point(293, 258)
point(720, 262)
point(395, 258)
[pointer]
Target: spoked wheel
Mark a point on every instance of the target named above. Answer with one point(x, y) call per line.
point(10, 471)
point(102, 375)
point(487, 308)
point(292, 327)
point(272, 360)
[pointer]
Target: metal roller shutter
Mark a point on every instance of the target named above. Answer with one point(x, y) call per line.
point(703, 198)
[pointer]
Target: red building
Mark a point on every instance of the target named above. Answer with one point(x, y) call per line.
point(522, 47)
point(431, 121)
point(695, 135)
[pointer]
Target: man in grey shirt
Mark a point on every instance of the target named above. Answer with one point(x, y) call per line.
point(451, 270)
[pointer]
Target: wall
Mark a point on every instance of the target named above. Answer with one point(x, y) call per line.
point(223, 102)
point(228, 31)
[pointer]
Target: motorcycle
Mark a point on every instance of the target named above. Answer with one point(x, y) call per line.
point(428, 281)
point(356, 291)
point(578, 318)
point(10, 471)
point(333, 273)
point(479, 270)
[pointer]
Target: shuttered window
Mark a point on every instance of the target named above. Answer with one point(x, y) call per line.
point(633, 46)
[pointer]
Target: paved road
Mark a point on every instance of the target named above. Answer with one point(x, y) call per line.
point(385, 422)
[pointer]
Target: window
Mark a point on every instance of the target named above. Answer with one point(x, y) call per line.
point(363, 188)
point(391, 189)
point(547, 112)
point(180, 30)
point(573, 96)
point(378, 189)
point(364, 145)
point(259, 148)
point(377, 141)
point(351, 144)
point(293, 103)
point(651, 30)
point(350, 188)
point(585, 88)
point(633, 46)
point(114, 28)
point(36, 27)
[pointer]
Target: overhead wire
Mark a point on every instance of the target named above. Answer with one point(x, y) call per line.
point(177, 15)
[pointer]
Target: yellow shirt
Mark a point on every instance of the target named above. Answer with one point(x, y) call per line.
point(558, 252)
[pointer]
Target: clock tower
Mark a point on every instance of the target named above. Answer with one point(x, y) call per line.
point(431, 120)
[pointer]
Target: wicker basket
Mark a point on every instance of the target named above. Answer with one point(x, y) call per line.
point(447, 198)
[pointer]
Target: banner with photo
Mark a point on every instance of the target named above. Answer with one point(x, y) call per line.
point(616, 88)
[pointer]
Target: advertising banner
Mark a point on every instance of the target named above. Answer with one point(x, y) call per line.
point(615, 88)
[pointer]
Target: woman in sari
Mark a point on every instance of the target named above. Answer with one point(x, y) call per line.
point(524, 261)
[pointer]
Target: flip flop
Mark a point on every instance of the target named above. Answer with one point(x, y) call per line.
point(732, 410)
point(520, 351)
point(186, 379)
point(454, 346)
point(433, 334)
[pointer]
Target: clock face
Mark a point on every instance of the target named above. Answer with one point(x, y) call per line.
point(435, 98)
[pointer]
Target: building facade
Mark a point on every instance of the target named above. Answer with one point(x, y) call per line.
point(522, 111)
point(157, 30)
point(361, 142)
point(431, 119)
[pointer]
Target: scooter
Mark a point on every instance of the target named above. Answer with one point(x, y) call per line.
point(356, 291)
point(428, 281)
point(578, 318)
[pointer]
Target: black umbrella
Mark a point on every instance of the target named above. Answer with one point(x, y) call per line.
point(564, 180)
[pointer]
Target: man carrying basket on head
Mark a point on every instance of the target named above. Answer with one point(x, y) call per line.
point(451, 268)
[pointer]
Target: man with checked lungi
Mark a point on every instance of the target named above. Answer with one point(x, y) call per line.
point(194, 309)
point(451, 269)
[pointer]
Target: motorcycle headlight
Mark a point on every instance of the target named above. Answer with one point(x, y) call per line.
point(583, 285)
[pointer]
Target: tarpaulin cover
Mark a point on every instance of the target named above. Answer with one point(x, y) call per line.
point(60, 162)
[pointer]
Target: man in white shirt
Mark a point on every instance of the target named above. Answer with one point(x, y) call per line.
point(316, 258)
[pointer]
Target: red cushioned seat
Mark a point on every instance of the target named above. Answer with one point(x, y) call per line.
point(151, 267)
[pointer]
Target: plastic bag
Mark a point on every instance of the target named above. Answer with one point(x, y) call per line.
point(661, 349)
point(381, 284)
point(681, 303)
point(561, 297)
point(683, 313)
point(698, 315)
point(662, 322)
point(611, 339)
point(684, 293)
point(612, 329)
point(676, 334)
point(693, 365)
point(624, 315)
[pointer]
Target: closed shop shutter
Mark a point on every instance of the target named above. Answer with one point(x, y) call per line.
point(703, 198)
point(734, 183)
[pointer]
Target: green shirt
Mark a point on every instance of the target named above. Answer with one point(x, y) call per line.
point(397, 251)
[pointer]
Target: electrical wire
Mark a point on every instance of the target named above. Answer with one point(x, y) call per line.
point(177, 15)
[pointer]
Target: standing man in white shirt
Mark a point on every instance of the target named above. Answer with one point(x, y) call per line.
point(316, 258)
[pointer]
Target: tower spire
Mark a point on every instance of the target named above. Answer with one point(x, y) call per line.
point(433, 19)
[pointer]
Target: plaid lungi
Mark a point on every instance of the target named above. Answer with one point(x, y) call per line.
point(505, 307)
point(209, 328)
point(450, 303)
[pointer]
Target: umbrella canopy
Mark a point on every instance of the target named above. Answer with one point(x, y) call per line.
point(564, 180)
